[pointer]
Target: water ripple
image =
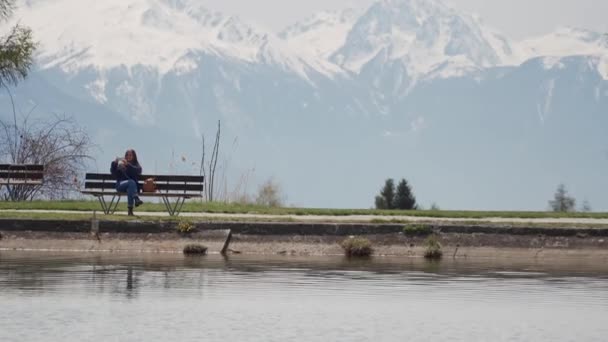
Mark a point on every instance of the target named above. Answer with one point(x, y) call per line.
point(165, 297)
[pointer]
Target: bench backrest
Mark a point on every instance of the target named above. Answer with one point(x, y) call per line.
point(22, 173)
point(173, 184)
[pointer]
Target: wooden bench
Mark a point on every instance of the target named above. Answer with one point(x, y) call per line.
point(16, 177)
point(167, 187)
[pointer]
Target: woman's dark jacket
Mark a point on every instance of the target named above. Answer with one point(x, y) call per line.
point(129, 172)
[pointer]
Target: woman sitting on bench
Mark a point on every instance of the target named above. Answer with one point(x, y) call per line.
point(127, 172)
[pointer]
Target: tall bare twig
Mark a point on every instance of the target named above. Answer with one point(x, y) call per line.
point(213, 162)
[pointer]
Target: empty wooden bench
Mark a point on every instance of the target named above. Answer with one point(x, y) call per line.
point(178, 187)
point(21, 178)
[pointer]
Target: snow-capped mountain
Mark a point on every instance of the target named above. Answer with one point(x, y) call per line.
point(409, 88)
point(424, 35)
point(568, 41)
point(158, 34)
point(427, 37)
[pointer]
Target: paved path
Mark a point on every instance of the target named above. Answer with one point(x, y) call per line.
point(332, 218)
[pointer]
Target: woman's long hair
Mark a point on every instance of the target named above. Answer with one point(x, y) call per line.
point(134, 161)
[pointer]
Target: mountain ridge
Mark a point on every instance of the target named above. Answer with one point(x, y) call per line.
point(424, 34)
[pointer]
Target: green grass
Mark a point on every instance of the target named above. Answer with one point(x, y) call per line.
point(87, 216)
point(433, 248)
point(417, 229)
point(71, 216)
point(217, 207)
point(357, 247)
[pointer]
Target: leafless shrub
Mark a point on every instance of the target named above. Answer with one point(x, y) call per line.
point(270, 194)
point(57, 142)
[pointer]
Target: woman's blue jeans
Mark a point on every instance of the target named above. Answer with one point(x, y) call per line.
point(130, 187)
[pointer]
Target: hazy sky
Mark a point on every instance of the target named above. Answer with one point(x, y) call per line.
point(515, 18)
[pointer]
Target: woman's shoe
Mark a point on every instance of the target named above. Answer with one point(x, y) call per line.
point(138, 202)
point(130, 212)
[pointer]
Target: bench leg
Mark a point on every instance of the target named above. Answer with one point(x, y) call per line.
point(174, 209)
point(110, 208)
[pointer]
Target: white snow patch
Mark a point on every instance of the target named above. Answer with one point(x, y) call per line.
point(140, 110)
point(539, 111)
point(602, 67)
point(564, 42)
point(97, 89)
point(552, 63)
point(544, 109)
point(184, 66)
point(549, 97)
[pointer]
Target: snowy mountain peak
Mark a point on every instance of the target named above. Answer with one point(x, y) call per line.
point(425, 34)
point(568, 41)
point(152, 33)
point(319, 22)
point(234, 31)
point(321, 34)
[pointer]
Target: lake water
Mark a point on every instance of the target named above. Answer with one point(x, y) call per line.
point(169, 297)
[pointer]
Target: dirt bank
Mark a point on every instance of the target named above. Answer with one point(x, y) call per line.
point(301, 238)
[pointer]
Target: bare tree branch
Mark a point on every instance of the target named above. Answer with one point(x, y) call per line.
point(58, 143)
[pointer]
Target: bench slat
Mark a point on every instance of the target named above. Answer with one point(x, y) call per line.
point(21, 175)
point(21, 167)
point(158, 178)
point(159, 186)
point(99, 176)
point(20, 182)
point(143, 194)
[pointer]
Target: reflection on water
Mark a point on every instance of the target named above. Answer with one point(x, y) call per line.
point(94, 297)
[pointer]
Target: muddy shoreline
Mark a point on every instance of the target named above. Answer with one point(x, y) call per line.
point(301, 238)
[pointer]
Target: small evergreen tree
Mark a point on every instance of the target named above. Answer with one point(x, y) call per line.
point(562, 202)
point(405, 199)
point(381, 203)
point(386, 198)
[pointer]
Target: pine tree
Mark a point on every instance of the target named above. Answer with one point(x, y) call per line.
point(386, 198)
point(16, 48)
point(405, 199)
point(381, 203)
point(562, 202)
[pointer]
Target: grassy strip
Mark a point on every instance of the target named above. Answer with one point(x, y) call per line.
point(87, 216)
point(230, 208)
point(124, 218)
point(431, 223)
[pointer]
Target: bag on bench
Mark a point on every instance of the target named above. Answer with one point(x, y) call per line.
point(149, 185)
